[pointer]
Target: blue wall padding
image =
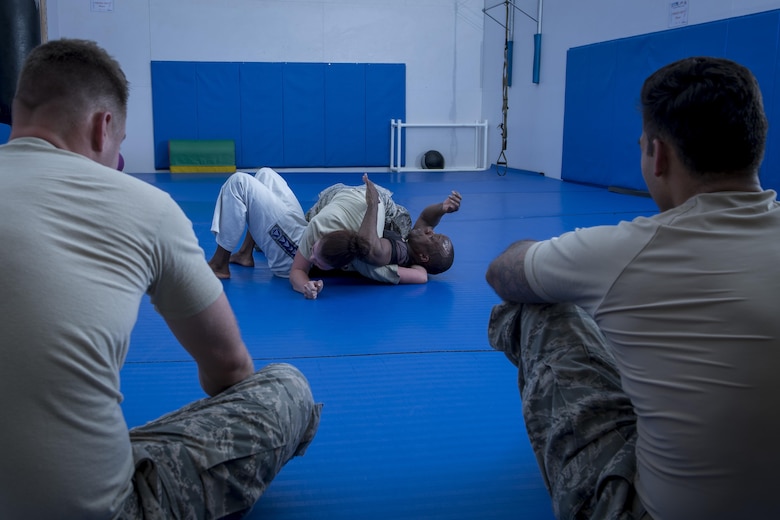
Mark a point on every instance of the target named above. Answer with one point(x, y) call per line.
point(5, 132)
point(304, 114)
point(345, 89)
point(174, 107)
point(262, 114)
point(280, 114)
point(602, 123)
point(219, 102)
point(587, 156)
point(385, 94)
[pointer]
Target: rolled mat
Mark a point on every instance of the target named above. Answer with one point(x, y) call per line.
point(192, 156)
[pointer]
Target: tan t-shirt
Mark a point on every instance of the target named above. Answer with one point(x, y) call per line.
point(689, 301)
point(82, 245)
point(346, 211)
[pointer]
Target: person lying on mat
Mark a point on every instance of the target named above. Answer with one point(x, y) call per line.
point(420, 247)
point(418, 251)
point(66, 319)
point(265, 203)
point(648, 352)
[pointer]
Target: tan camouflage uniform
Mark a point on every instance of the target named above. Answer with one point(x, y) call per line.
point(581, 425)
point(215, 457)
point(397, 217)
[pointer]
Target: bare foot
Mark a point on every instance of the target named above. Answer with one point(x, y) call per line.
point(221, 271)
point(242, 258)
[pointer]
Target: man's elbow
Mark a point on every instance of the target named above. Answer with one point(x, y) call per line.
point(421, 275)
point(491, 276)
point(232, 372)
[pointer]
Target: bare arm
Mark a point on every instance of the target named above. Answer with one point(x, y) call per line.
point(506, 274)
point(381, 250)
point(413, 274)
point(212, 338)
point(299, 278)
point(431, 216)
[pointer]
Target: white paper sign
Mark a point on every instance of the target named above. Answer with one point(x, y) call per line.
point(678, 13)
point(101, 6)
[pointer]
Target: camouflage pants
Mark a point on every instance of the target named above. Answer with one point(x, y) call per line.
point(397, 217)
point(580, 424)
point(215, 457)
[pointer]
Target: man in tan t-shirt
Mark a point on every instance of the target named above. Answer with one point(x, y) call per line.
point(649, 378)
point(66, 317)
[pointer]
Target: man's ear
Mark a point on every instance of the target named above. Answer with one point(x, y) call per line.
point(661, 157)
point(424, 257)
point(101, 122)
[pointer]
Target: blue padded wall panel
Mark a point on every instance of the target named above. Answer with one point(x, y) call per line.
point(219, 102)
point(174, 104)
point(345, 114)
point(770, 169)
point(752, 41)
point(281, 114)
point(603, 83)
point(633, 58)
point(747, 35)
point(5, 132)
point(385, 100)
point(590, 108)
point(262, 115)
point(304, 114)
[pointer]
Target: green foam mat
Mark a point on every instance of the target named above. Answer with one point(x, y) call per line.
point(215, 155)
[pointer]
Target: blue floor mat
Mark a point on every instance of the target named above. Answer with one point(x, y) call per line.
point(422, 418)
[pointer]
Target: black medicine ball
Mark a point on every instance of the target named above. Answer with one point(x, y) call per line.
point(433, 160)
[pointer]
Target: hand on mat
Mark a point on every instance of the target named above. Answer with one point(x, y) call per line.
point(312, 288)
point(452, 203)
point(372, 196)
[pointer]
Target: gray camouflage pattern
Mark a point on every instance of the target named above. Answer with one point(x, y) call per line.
point(581, 425)
point(397, 217)
point(214, 458)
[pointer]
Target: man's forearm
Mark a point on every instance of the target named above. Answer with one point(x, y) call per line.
point(506, 274)
point(298, 278)
point(368, 231)
point(431, 216)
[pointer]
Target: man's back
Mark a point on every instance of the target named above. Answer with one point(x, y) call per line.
point(688, 301)
point(703, 379)
point(83, 244)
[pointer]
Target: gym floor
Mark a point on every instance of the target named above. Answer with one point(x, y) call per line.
point(421, 418)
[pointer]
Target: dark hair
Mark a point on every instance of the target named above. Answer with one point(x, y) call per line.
point(75, 74)
point(440, 258)
point(710, 110)
point(339, 248)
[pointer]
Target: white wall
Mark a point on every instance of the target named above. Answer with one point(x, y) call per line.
point(440, 41)
point(535, 120)
point(453, 53)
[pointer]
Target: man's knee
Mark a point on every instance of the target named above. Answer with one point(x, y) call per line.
point(276, 377)
point(526, 333)
point(239, 183)
point(282, 372)
point(284, 382)
point(294, 393)
point(504, 330)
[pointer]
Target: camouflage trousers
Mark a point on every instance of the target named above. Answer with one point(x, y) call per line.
point(580, 423)
point(397, 217)
point(215, 457)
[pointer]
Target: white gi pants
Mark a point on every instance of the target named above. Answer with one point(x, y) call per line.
point(267, 206)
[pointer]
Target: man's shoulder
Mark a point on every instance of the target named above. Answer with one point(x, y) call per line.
point(392, 235)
